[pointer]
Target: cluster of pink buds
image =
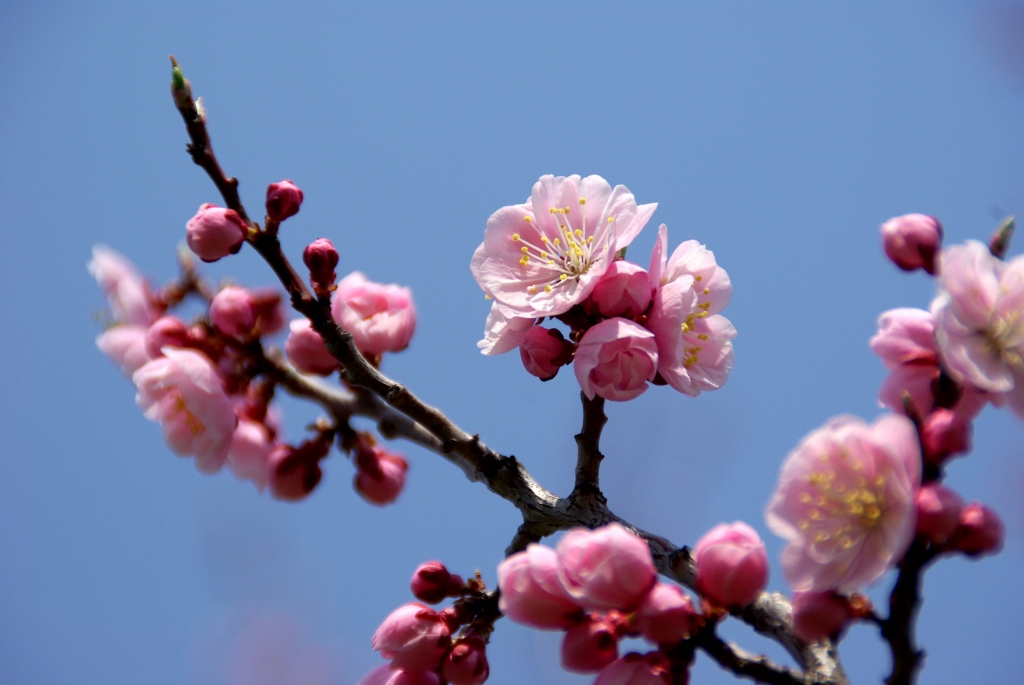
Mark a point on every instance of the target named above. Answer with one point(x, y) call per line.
point(560, 255)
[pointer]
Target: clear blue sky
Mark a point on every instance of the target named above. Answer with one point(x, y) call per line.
point(778, 133)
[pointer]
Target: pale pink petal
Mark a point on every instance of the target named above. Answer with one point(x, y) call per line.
point(503, 334)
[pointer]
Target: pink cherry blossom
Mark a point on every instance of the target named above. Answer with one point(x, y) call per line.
point(710, 282)
point(819, 615)
point(590, 645)
point(502, 333)
point(605, 568)
point(250, 450)
point(666, 615)
point(542, 257)
point(466, 663)
point(544, 351)
point(912, 241)
point(183, 392)
point(615, 359)
point(126, 291)
point(167, 330)
point(306, 350)
point(215, 232)
point(845, 502)
point(232, 311)
point(381, 318)
point(125, 345)
point(413, 637)
point(732, 565)
point(979, 321)
point(387, 675)
point(531, 592)
point(624, 290)
point(652, 668)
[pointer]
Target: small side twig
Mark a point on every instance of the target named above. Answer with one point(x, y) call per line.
point(760, 669)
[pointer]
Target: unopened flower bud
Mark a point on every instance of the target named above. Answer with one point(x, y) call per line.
point(413, 637)
point(531, 592)
point(382, 481)
point(590, 646)
point(306, 350)
point(981, 531)
point(544, 351)
point(943, 434)
point(938, 512)
point(605, 568)
point(165, 331)
point(270, 317)
point(321, 258)
point(283, 200)
point(623, 291)
point(666, 615)
point(293, 472)
point(232, 311)
point(466, 663)
point(819, 615)
point(732, 565)
point(615, 359)
point(215, 232)
point(387, 675)
point(912, 241)
point(430, 582)
point(453, 617)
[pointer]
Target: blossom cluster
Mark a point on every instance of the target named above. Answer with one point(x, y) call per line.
point(559, 255)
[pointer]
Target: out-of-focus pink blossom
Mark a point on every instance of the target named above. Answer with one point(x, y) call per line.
point(912, 241)
point(215, 232)
point(732, 564)
point(980, 532)
point(386, 675)
point(590, 645)
point(380, 480)
point(125, 345)
point(251, 446)
point(381, 318)
point(232, 311)
point(306, 350)
point(321, 258)
point(283, 200)
point(167, 330)
point(943, 434)
point(819, 616)
point(666, 615)
point(293, 472)
point(605, 568)
point(126, 291)
point(938, 512)
point(845, 502)
point(652, 668)
point(979, 321)
point(466, 663)
point(624, 290)
point(531, 592)
point(544, 351)
point(183, 392)
point(413, 637)
point(503, 334)
point(615, 359)
point(542, 257)
point(432, 582)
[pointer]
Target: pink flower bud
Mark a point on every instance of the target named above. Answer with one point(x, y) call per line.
point(283, 200)
point(251, 446)
point(615, 359)
point(981, 531)
point(215, 232)
point(606, 568)
point(321, 258)
point(232, 311)
point(430, 582)
point(413, 637)
point(269, 312)
point(732, 565)
point(386, 675)
point(652, 668)
point(544, 351)
point(167, 330)
point(938, 512)
point(624, 290)
point(912, 241)
point(381, 481)
point(590, 646)
point(306, 350)
point(943, 434)
point(453, 617)
point(666, 615)
point(531, 592)
point(466, 664)
point(125, 345)
point(819, 615)
point(293, 472)
point(381, 318)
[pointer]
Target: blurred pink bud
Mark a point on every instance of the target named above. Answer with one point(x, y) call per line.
point(531, 592)
point(270, 317)
point(183, 392)
point(293, 472)
point(981, 531)
point(430, 582)
point(666, 615)
point(943, 434)
point(232, 311)
point(544, 351)
point(306, 350)
point(167, 330)
point(215, 232)
point(125, 345)
point(453, 617)
point(466, 663)
point(938, 512)
point(381, 318)
point(905, 336)
point(382, 481)
point(126, 291)
point(911, 241)
point(413, 637)
point(606, 568)
point(625, 290)
point(732, 564)
point(590, 646)
point(283, 200)
point(386, 675)
point(819, 615)
point(321, 258)
point(251, 446)
point(615, 359)
point(652, 668)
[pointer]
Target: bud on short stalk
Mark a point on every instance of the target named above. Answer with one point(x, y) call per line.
point(938, 513)
point(321, 259)
point(732, 565)
point(590, 646)
point(544, 351)
point(432, 582)
point(215, 232)
point(283, 200)
point(232, 312)
point(912, 241)
point(944, 433)
point(466, 663)
point(980, 532)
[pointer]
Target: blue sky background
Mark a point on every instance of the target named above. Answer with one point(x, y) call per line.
point(781, 134)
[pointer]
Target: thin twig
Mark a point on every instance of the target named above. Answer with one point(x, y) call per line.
point(760, 669)
point(904, 603)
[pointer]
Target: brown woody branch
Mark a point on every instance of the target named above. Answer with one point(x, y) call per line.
point(745, 665)
point(904, 603)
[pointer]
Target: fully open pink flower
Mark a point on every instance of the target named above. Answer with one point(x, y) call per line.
point(381, 318)
point(413, 636)
point(542, 257)
point(710, 282)
point(845, 502)
point(126, 291)
point(531, 592)
point(183, 392)
point(125, 345)
point(606, 568)
point(615, 359)
point(979, 320)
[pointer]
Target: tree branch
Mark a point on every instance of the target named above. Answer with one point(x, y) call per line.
point(588, 459)
point(904, 603)
point(745, 665)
